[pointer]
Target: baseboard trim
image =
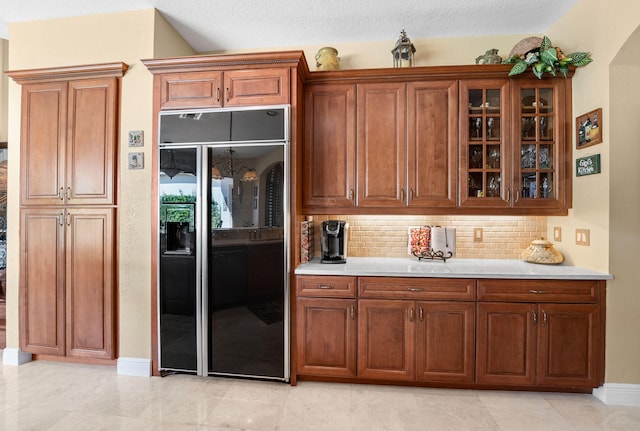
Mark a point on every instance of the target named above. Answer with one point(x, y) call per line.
point(623, 394)
point(13, 356)
point(138, 367)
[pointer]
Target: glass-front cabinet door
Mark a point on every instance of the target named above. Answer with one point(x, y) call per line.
point(538, 144)
point(484, 146)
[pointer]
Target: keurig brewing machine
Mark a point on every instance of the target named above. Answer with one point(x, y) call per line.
point(334, 241)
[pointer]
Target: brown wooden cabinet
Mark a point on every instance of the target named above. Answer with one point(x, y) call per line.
point(555, 340)
point(484, 333)
point(326, 326)
point(67, 285)
point(216, 88)
point(405, 154)
point(68, 210)
point(329, 152)
point(441, 140)
point(68, 142)
point(514, 150)
point(429, 341)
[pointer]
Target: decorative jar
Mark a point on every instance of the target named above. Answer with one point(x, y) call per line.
point(541, 251)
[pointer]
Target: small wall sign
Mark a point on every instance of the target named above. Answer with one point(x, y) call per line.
point(588, 165)
point(136, 138)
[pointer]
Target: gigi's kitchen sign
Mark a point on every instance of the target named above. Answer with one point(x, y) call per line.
point(588, 165)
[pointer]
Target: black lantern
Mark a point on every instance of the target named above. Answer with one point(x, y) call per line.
point(403, 52)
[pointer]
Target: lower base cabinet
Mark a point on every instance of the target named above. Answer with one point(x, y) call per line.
point(326, 340)
point(523, 334)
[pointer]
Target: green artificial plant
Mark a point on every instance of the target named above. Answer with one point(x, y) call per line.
point(548, 59)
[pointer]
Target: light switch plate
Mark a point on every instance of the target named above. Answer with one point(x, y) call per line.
point(557, 234)
point(477, 234)
point(582, 237)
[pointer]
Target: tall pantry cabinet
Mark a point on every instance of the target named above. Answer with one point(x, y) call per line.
point(68, 206)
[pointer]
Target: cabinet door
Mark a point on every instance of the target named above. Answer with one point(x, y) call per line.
point(386, 339)
point(190, 90)
point(506, 344)
point(432, 143)
point(42, 279)
point(90, 294)
point(256, 87)
point(569, 342)
point(381, 145)
point(91, 141)
point(326, 337)
point(540, 158)
point(43, 137)
point(445, 342)
point(485, 163)
point(329, 146)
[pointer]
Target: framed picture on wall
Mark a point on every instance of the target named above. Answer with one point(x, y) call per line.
point(589, 129)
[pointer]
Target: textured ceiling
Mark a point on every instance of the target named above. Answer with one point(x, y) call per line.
point(214, 25)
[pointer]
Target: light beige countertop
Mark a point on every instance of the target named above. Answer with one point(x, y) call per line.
point(452, 268)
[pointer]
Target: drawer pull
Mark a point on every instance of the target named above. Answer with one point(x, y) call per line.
point(415, 289)
point(325, 286)
point(538, 292)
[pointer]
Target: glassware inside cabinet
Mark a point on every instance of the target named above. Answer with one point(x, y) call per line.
point(475, 157)
point(528, 156)
point(493, 156)
point(546, 156)
point(493, 184)
point(546, 128)
point(528, 185)
point(475, 128)
point(476, 184)
point(546, 185)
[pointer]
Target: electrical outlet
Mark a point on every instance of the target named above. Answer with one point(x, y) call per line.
point(557, 234)
point(477, 234)
point(582, 237)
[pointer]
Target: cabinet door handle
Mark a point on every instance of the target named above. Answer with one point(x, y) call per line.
point(61, 219)
point(325, 286)
point(217, 94)
point(544, 318)
point(538, 292)
point(352, 312)
point(402, 194)
point(351, 194)
point(68, 193)
point(421, 313)
point(517, 195)
point(410, 194)
point(61, 193)
point(411, 314)
point(227, 94)
point(68, 219)
point(535, 318)
point(415, 289)
point(508, 195)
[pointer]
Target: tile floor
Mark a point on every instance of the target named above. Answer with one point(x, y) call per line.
point(54, 396)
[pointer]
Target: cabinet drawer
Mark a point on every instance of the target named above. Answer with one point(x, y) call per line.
point(540, 290)
point(326, 286)
point(416, 288)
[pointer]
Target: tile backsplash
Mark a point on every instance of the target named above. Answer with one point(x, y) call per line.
point(503, 237)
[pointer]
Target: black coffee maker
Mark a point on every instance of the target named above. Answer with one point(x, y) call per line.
point(334, 241)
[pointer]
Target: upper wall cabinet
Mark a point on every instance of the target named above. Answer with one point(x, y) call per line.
point(68, 139)
point(436, 140)
point(214, 89)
